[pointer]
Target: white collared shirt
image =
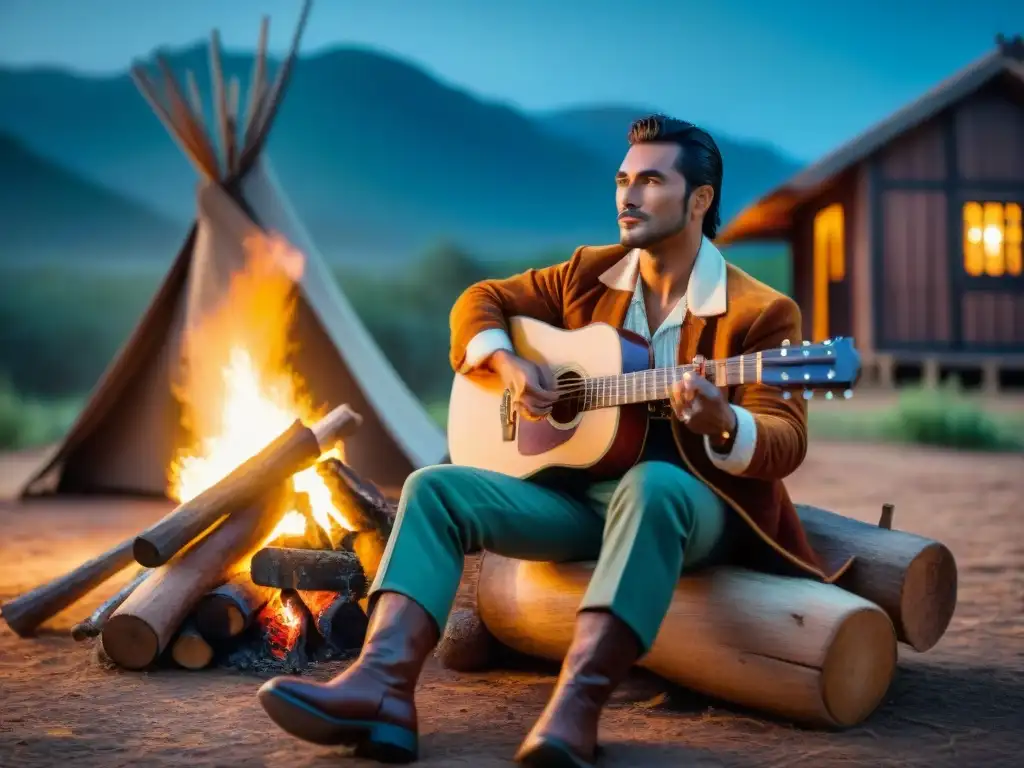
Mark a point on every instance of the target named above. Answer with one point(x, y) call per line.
point(665, 340)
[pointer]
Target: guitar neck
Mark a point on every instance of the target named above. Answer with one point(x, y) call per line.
point(656, 383)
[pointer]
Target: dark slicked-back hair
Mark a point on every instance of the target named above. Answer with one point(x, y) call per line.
point(700, 161)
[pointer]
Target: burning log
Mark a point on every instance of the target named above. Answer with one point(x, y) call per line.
point(912, 578)
point(296, 449)
point(358, 500)
point(228, 610)
point(141, 628)
point(190, 649)
point(92, 626)
point(338, 618)
point(25, 613)
point(309, 569)
point(797, 648)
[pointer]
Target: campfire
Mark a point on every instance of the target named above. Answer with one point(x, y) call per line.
point(265, 562)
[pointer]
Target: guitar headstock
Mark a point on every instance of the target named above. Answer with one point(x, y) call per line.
point(831, 366)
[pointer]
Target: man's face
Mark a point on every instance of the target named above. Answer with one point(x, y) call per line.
point(650, 195)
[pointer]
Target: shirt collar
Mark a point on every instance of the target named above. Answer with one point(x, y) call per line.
point(705, 293)
point(674, 319)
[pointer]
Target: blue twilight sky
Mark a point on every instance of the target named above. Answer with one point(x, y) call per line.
point(805, 75)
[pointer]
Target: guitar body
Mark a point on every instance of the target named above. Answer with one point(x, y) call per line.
point(485, 431)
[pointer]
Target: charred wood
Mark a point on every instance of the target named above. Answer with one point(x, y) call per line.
point(309, 569)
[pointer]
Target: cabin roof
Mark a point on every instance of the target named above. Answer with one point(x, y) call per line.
point(771, 215)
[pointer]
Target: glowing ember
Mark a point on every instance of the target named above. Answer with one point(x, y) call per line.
point(282, 624)
point(239, 393)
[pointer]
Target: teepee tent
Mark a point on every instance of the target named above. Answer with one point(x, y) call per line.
point(127, 434)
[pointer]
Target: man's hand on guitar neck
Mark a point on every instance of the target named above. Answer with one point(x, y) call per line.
point(532, 385)
point(700, 405)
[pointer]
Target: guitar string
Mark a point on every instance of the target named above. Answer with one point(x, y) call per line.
point(627, 382)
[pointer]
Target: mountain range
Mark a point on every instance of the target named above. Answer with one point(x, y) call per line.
point(379, 158)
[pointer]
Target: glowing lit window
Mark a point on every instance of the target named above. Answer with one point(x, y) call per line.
point(829, 264)
point(828, 241)
point(992, 239)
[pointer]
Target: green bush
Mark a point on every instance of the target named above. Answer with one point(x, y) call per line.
point(59, 328)
point(27, 422)
point(946, 417)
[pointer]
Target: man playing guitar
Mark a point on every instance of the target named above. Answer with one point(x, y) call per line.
point(707, 488)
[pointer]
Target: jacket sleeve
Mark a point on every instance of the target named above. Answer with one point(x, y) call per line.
point(771, 431)
point(479, 316)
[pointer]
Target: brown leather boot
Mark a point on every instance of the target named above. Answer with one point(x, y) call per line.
point(565, 736)
point(369, 706)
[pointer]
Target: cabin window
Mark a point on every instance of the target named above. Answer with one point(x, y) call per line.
point(828, 241)
point(829, 264)
point(992, 239)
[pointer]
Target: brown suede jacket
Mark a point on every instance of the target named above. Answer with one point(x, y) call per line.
point(729, 313)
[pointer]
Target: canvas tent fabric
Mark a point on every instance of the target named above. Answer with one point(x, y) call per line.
point(129, 431)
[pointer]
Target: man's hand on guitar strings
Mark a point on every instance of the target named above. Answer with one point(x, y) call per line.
point(702, 407)
point(533, 386)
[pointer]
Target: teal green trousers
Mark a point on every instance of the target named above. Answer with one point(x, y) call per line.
point(643, 530)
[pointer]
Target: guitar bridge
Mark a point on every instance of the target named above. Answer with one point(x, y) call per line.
point(508, 417)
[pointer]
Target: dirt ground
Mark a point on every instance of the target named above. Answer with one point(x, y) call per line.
point(960, 704)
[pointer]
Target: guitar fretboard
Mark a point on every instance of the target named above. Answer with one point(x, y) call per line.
point(656, 383)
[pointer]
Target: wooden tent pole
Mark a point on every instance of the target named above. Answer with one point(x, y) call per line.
point(269, 109)
point(220, 116)
point(186, 119)
point(148, 90)
point(257, 85)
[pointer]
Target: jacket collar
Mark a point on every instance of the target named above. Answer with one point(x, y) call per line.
point(706, 291)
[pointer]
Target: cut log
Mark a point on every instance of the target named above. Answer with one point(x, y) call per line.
point(359, 501)
point(793, 647)
point(26, 612)
point(230, 609)
point(912, 578)
point(141, 628)
point(466, 645)
point(309, 569)
point(190, 649)
point(296, 449)
point(338, 619)
point(92, 626)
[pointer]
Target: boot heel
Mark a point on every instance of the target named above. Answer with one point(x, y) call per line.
point(387, 743)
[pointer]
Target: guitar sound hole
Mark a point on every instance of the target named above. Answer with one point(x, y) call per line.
point(570, 404)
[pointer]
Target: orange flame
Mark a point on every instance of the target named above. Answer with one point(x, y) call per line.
point(238, 392)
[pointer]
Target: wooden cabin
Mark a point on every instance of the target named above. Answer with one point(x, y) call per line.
point(908, 238)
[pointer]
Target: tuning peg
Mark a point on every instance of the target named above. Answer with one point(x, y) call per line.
point(829, 395)
point(787, 395)
point(827, 342)
point(785, 343)
point(808, 394)
point(848, 394)
point(830, 375)
point(806, 343)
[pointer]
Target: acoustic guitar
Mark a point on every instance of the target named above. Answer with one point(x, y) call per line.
point(609, 391)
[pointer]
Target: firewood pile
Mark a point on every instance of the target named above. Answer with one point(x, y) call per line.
point(216, 583)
